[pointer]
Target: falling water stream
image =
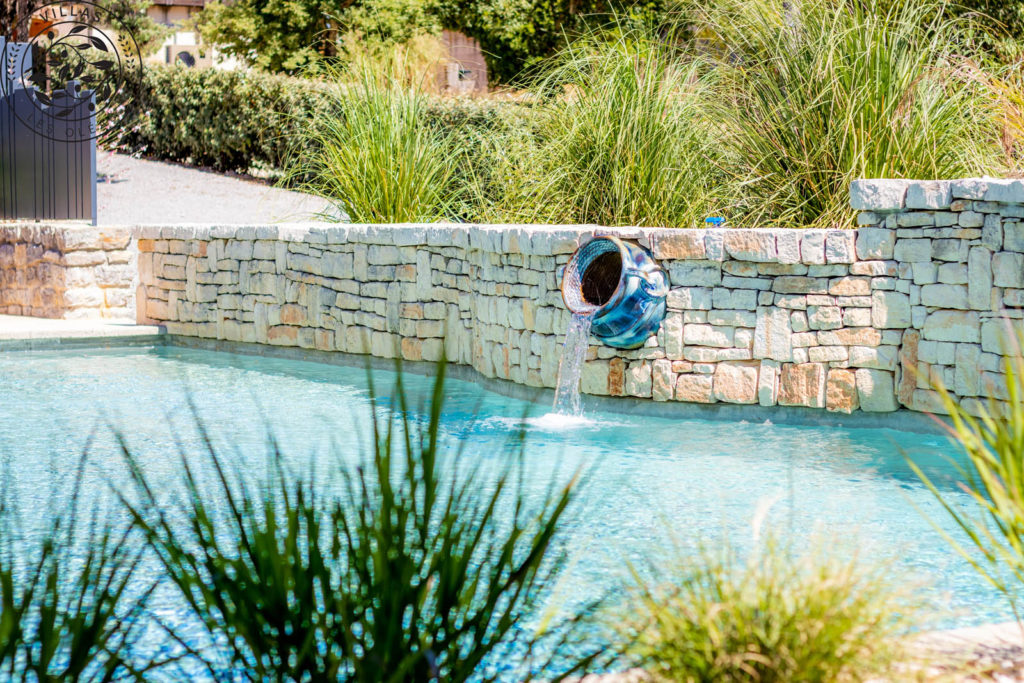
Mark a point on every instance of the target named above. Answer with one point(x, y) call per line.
point(574, 352)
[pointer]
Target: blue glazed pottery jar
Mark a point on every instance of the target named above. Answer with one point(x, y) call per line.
point(620, 286)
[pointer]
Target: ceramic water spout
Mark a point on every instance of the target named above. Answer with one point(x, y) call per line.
point(620, 286)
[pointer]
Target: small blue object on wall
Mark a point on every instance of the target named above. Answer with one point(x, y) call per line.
point(715, 220)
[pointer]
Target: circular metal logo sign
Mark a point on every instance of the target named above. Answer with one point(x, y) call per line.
point(78, 78)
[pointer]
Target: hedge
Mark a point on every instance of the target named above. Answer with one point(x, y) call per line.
point(245, 120)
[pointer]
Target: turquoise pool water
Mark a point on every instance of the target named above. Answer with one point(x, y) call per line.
point(655, 481)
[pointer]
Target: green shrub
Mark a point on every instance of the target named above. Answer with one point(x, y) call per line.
point(417, 570)
point(993, 440)
point(775, 617)
point(226, 120)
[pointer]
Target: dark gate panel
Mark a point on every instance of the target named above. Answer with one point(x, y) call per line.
point(47, 160)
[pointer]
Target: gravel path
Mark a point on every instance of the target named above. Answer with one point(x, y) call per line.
point(157, 192)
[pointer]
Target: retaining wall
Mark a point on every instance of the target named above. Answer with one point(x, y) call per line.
point(841, 320)
point(796, 318)
point(61, 271)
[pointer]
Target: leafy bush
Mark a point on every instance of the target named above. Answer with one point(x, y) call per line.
point(993, 440)
point(422, 568)
point(775, 617)
point(227, 120)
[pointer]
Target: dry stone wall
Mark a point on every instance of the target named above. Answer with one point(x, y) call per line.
point(773, 317)
point(61, 271)
point(958, 250)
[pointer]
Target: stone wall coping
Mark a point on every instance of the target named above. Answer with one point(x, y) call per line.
point(887, 195)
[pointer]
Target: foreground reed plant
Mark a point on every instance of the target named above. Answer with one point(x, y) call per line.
point(374, 155)
point(427, 566)
point(992, 438)
point(776, 616)
point(812, 95)
point(71, 599)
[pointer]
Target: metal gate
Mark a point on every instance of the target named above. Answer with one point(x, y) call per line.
point(47, 164)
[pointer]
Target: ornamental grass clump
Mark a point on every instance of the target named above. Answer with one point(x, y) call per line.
point(776, 616)
point(374, 155)
point(427, 563)
point(71, 598)
point(812, 95)
point(621, 142)
point(992, 438)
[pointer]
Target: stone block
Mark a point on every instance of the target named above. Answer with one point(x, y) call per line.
point(638, 380)
point(915, 219)
point(968, 360)
point(751, 245)
point(707, 335)
point(841, 391)
point(993, 334)
point(689, 298)
point(971, 219)
point(969, 188)
point(856, 317)
point(840, 247)
point(890, 310)
point(1013, 236)
point(688, 274)
point(955, 326)
point(737, 299)
point(875, 243)
point(663, 380)
point(950, 250)
point(767, 382)
point(877, 357)
point(797, 284)
point(878, 195)
point(732, 318)
point(787, 243)
point(798, 321)
point(929, 194)
point(1008, 269)
point(1005, 191)
point(736, 382)
point(954, 273)
point(849, 286)
point(812, 247)
point(824, 317)
point(802, 385)
point(594, 379)
point(695, 388)
point(876, 390)
point(773, 336)
point(714, 244)
point(925, 273)
point(913, 250)
point(850, 336)
point(944, 296)
point(678, 244)
point(908, 365)
point(671, 334)
point(827, 354)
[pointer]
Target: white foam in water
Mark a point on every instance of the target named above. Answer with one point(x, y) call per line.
point(556, 422)
point(574, 352)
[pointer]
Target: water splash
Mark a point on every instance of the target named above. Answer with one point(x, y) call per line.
point(574, 352)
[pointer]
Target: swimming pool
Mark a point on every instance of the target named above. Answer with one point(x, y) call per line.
point(655, 481)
